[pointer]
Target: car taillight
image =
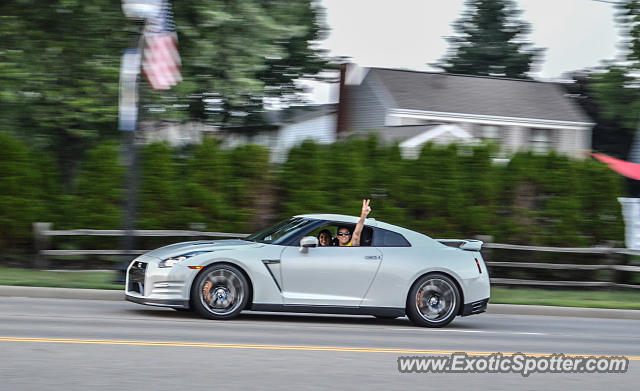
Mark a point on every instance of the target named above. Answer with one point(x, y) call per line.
point(478, 265)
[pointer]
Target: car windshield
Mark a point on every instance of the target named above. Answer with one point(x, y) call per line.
point(278, 233)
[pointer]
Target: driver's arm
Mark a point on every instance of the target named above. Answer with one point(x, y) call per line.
point(366, 209)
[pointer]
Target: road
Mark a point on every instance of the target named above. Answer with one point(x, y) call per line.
point(64, 344)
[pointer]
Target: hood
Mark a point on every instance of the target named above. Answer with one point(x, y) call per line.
point(176, 249)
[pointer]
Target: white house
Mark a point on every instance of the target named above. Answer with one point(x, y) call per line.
point(517, 114)
point(288, 128)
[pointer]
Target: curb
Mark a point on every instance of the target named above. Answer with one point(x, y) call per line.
point(61, 293)
point(572, 312)
point(493, 309)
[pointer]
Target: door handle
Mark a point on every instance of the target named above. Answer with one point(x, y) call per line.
point(372, 257)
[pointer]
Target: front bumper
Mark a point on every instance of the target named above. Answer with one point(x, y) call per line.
point(158, 302)
point(148, 284)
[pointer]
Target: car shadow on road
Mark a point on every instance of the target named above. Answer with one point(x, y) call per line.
point(290, 317)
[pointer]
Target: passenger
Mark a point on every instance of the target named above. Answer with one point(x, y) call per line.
point(324, 238)
point(345, 238)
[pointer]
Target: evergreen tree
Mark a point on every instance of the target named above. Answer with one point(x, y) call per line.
point(628, 17)
point(98, 189)
point(489, 41)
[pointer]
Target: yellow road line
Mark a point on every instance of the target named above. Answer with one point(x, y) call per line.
point(270, 347)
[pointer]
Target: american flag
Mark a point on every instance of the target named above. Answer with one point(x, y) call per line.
point(161, 61)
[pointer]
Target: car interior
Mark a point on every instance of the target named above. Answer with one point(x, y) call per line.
point(365, 238)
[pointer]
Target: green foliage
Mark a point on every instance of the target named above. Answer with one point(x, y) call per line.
point(235, 52)
point(21, 192)
point(457, 191)
point(209, 186)
point(628, 17)
point(618, 96)
point(161, 191)
point(60, 59)
point(612, 94)
point(453, 191)
point(60, 62)
point(489, 41)
point(98, 195)
point(220, 186)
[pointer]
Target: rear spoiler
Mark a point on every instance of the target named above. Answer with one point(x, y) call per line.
point(463, 244)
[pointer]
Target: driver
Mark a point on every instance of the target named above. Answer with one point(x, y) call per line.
point(345, 238)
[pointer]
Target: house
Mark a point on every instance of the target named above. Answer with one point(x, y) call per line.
point(516, 114)
point(176, 134)
point(280, 130)
point(287, 128)
point(411, 138)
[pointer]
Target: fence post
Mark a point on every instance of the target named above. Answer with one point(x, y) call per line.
point(613, 258)
point(41, 242)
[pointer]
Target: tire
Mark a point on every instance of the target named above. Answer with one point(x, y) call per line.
point(220, 292)
point(433, 301)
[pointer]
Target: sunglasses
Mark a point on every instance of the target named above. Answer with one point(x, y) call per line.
point(344, 233)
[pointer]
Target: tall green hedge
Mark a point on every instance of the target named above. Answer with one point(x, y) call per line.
point(457, 191)
point(449, 191)
point(22, 191)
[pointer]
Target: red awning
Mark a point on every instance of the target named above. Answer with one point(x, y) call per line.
point(628, 169)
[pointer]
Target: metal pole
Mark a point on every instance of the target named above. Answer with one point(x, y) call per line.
point(128, 123)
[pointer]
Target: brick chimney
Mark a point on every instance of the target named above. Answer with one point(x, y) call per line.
point(343, 109)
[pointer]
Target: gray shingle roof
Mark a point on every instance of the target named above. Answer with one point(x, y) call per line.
point(441, 92)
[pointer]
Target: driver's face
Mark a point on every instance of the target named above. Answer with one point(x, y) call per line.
point(344, 236)
point(324, 239)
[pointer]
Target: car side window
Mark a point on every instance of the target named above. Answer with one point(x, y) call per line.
point(366, 237)
point(386, 238)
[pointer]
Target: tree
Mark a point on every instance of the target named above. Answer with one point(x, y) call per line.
point(606, 98)
point(628, 17)
point(21, 192)
point(60, 61)
point(489, 42)
point(98, 189)
point(59, 68)
point(237, 52)
point(611, 94)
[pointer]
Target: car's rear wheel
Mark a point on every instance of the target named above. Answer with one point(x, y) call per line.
point(433, 301)
point(220, 292)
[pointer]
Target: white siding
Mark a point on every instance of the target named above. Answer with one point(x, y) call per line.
point(366, 110)
point(321, 129)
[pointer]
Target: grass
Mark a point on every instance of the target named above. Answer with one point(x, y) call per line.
point(59, 279)
point(567, 298)
point(500, 295)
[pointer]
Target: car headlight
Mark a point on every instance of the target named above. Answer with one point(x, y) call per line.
point(169, 262)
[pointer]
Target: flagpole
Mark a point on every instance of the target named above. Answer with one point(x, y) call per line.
point(131, 205)
point(155, 32)
point(128, 109)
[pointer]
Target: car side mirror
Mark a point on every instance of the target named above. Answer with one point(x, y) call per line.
point(307, 242)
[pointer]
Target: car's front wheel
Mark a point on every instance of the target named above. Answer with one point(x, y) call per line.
point(433, 301)
point(220, 292)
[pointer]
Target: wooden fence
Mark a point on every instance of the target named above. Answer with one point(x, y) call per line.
point(610, 255)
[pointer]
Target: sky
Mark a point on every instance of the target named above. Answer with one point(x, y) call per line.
point(410, 34)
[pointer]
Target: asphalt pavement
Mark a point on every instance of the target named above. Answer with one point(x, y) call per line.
point(79, 344)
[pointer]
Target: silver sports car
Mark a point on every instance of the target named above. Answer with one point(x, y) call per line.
point(394, 271)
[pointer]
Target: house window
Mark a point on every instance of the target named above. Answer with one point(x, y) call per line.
point(490, 132)
point(540, 141)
